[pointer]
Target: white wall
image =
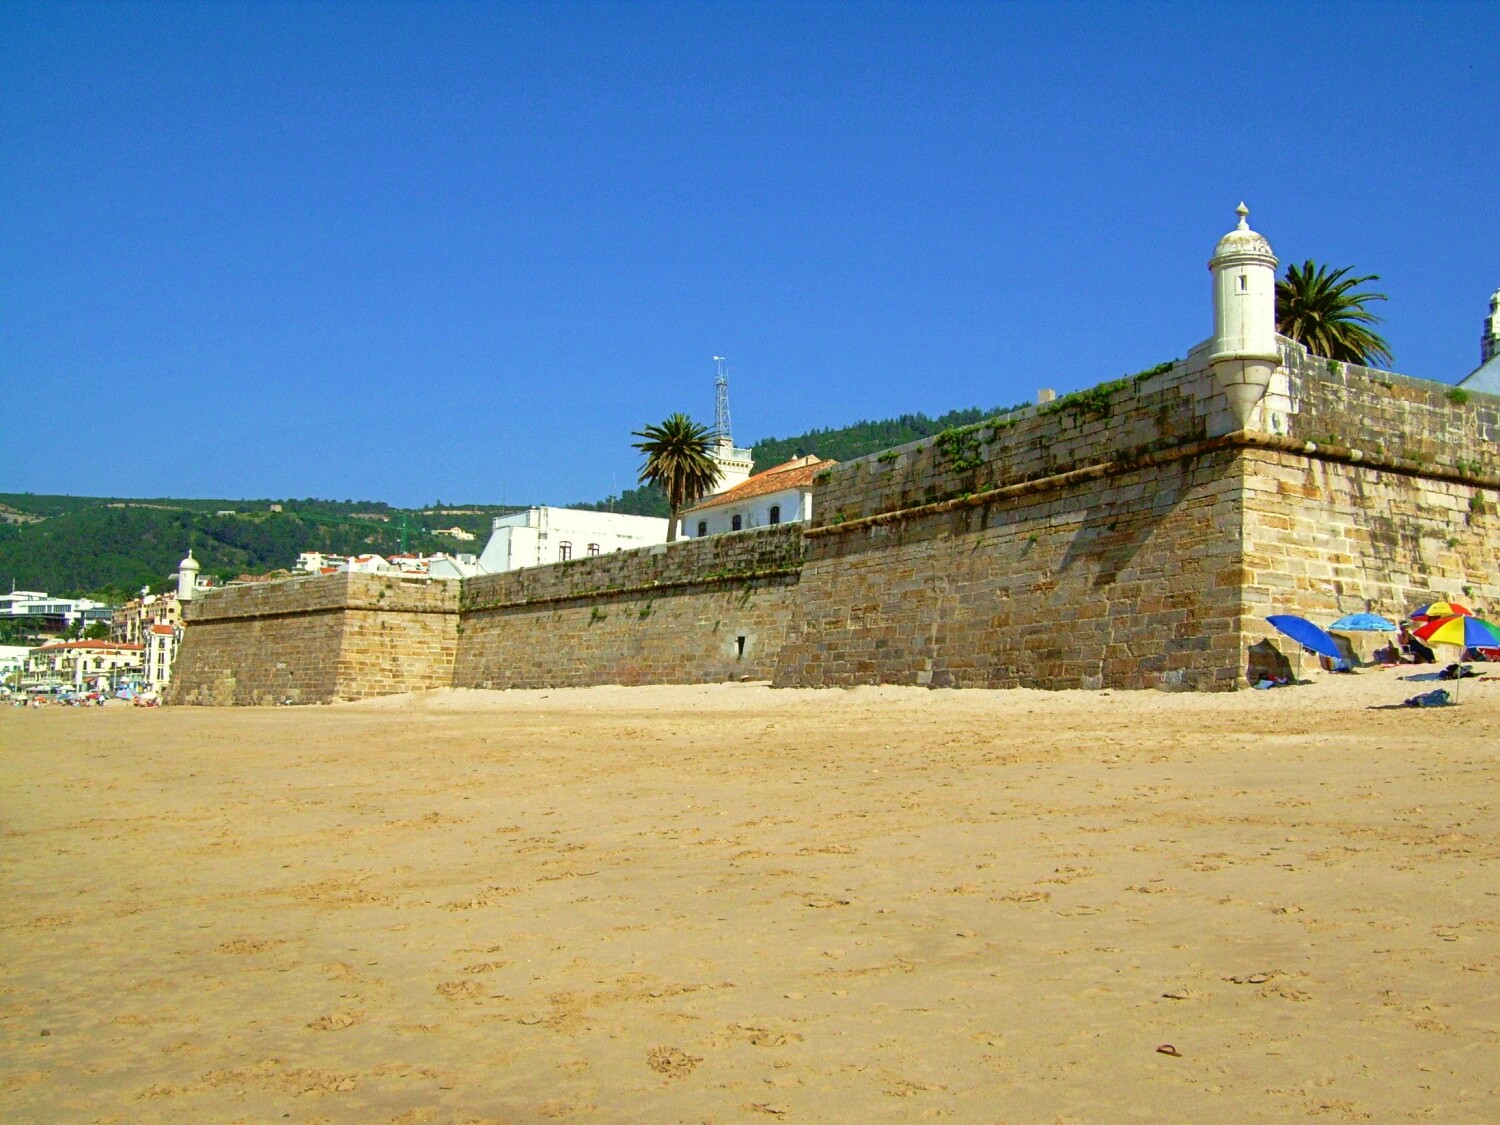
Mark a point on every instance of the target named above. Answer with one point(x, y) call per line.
point(795, 504)
point(535, 537)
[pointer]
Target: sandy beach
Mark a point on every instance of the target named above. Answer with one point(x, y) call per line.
point(735, 904)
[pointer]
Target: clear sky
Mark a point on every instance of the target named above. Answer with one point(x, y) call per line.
point(411, 252)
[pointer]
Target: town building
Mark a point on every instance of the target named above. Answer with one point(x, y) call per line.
point(461, 565)
point(455, 533)
point(84, 664)
point(160, 651)
point(783, 494)
point(134, 619)
point(12, 664)
point(539, 536)
point(49, 614)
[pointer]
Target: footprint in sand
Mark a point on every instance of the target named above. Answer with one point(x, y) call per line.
point(250, 945)
point(336, 1021)
point(671, 1061)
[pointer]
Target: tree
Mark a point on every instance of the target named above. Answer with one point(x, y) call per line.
point(1317, 308)
point(677, 462)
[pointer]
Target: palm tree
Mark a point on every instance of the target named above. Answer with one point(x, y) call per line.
point(1315, 307)
point(678, 462)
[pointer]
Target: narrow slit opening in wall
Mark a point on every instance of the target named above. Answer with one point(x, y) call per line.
point(739, 648)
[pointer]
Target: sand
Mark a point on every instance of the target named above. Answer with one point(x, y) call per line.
point(734, 904)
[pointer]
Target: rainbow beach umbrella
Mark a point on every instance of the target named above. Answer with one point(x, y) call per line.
point(1461, 629)
point(1434, 610)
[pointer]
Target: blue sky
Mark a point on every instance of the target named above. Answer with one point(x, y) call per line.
point(453, 251)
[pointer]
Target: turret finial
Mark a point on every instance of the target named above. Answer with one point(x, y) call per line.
point(1244, 213)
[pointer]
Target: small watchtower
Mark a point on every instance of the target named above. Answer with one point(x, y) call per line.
point(1244, 354)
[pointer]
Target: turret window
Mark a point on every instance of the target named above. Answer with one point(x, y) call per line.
point(1244, 283)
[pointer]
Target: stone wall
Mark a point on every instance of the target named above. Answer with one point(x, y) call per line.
point(1130, 417)
point(1325, 537)
point(317, 639)
point(696, 611)
point(1129, 580)
point(1108, 539)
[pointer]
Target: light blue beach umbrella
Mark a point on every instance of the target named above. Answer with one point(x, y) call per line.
point(1365, 623)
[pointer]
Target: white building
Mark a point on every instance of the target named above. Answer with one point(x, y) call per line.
point(53, 613)
point(161, 650)
point(316, 562)
point(779, 495)
point(82, 663)
point(461, 565)
point(12, 662)
point(539, 536)
point(455, 532)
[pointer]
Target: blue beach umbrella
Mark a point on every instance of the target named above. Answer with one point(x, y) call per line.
point(1306, 634)
point(1365, 623)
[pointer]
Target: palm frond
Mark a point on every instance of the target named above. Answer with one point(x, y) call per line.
point(1320, 309)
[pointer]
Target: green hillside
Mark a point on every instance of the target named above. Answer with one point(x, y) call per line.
point(110, 548)
point(864, 438)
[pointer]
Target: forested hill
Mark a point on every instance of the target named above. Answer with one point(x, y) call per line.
point(110, 548)
point(864, 438)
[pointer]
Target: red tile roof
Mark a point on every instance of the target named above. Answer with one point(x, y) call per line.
point(796, 473)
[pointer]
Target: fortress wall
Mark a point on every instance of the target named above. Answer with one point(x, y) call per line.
point(1409, 421)
point(225, 661)
point(1395, 504)
point(1324, 538)
point(1128, 581)
point(317, 639)
point(1129, 416)
point(1102, 541)
point(665, 614)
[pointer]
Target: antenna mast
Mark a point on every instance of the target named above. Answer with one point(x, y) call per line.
point(721, 402)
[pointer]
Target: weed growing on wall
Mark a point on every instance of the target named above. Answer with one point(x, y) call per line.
point(1159, 369)
point(1457, 396)
point(961, 447)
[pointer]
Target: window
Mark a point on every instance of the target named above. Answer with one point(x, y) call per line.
point(1244, 283)
point(593, 548)
point(702, 528)
point(775, 513)
point(564, 551)
point(736, 523)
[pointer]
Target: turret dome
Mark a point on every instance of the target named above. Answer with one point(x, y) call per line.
point(189, 563)
point(1242, 240)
